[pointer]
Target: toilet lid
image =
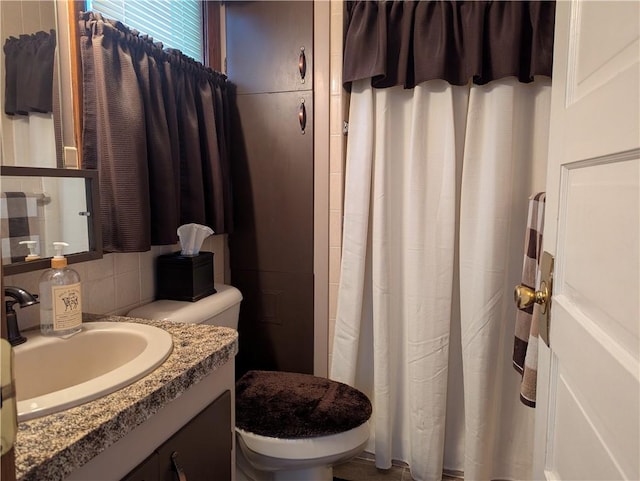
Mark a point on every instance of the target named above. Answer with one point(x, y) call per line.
point(293, 405)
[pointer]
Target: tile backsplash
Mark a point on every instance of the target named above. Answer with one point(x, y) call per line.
point(117, 283)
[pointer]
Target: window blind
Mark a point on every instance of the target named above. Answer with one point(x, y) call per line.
point(175, 23)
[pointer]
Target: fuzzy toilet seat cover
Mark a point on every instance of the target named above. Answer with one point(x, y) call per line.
point(292, 405)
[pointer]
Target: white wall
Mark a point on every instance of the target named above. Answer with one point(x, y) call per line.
point(116, 283)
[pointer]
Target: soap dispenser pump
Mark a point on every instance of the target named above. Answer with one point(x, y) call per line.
point(60, 297)
point(31, 245)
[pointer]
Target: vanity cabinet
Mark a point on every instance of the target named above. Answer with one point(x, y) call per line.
point(147, 470)
point(201, 449)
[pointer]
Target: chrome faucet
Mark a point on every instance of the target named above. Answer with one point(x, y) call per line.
point(23, 299)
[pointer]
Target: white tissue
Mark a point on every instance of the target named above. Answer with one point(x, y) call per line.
point(191, 238)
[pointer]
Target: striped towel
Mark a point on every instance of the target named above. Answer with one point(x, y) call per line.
point(19, 221)
point(525, 347)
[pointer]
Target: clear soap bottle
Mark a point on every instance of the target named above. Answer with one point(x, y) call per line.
point(60, 297)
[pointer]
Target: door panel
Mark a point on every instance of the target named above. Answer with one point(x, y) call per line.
point(588, 410)
point(273, 184)
point(569, 462)
point(264, 39)
point(597, 385)
point(592, 62)
point(598, 234)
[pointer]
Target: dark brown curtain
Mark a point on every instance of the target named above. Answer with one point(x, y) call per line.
point(29, 61)
point(409, 42)
point(154, 127)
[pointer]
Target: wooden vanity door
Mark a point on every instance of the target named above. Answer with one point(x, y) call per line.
point(145, 471)
point(202, 448)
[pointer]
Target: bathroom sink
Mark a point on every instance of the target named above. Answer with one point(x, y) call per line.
point(53, 374)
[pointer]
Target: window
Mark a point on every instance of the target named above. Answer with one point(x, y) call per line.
point(175, 23)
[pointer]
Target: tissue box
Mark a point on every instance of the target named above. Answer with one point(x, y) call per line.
point(185, 278)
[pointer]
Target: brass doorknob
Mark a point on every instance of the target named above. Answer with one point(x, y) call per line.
point(525, 296)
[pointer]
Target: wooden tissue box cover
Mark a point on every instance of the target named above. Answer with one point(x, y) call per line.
point(185, 278)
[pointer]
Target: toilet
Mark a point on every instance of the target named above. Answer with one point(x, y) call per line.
point(289, 426)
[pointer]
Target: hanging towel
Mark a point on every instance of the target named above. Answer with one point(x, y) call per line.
point(19, 221)
point(525, 347)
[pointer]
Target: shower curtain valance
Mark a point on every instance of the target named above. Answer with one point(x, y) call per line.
point(409, 42)
point(155, 125)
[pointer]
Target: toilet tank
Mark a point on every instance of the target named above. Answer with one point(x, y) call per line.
point(220, 309)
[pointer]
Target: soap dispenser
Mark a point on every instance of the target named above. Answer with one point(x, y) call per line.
point(60, 297)
point(31, 245)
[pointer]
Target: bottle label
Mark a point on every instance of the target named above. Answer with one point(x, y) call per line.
point(67, 306)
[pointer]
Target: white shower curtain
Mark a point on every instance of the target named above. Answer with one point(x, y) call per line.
point(437, 182)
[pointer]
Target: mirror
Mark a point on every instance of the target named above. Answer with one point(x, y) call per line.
point(30, 93)
point(47, 205)
point(40, 201)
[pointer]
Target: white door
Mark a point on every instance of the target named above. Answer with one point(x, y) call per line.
point(588, 414)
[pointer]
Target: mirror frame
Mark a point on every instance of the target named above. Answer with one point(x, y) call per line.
point(94, 227)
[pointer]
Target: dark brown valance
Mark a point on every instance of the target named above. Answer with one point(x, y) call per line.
point(409, 42)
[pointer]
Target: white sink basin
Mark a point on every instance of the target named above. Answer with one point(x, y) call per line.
point(53, 374)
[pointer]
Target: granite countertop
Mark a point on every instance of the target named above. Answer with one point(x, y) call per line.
point(52, 446)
